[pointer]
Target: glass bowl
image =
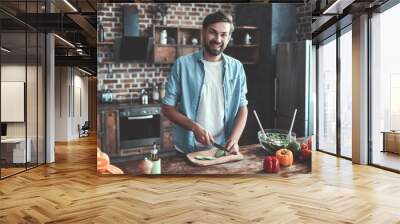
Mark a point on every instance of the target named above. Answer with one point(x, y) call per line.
point(274, 140)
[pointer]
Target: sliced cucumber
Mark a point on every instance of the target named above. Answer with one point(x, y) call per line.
point(219, 153)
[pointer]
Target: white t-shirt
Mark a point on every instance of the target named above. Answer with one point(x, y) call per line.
point(211, 109)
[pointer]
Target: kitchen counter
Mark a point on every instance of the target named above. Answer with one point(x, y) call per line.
point(251, 164)
point(117, 105)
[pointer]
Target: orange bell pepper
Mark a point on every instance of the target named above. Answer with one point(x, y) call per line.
point(104, 166)
point(285, 157)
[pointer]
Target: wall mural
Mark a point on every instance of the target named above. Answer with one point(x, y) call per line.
point(185, 88)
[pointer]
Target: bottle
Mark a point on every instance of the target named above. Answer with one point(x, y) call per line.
point(248, 39)
point(156, 160)
point(163, 37)
point(231, 42)
point(100, 32)
point(103, 94)
point(108, 96)
point(155, 93)
point(162, 90)
point(153, 153)
point(184, 40)
point(145, 97)
point(145, 166)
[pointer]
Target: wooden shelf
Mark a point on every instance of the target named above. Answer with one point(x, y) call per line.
point(167, 53)
point(189, 46)
point(246, 53)
point(165, 45)
point(243, 45)
point(249, 63)
point(246, 27)
point(105, 43)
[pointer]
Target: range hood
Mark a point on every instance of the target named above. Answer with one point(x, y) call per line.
point(132, 47)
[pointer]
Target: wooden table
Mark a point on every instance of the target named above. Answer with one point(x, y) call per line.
point(391, 141)
point(251, 164)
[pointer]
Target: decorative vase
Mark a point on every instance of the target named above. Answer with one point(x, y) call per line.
point(164, 20)
point(163, 37)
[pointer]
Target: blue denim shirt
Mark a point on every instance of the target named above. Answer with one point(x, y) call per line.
point(184, 86)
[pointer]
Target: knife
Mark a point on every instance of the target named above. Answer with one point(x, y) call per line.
point(220, 147)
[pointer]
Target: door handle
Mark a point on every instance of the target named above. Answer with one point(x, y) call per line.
point(276, 92)
point(140, 117)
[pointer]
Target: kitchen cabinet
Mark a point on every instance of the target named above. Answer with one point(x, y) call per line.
point(108, 134)
point(164, 54)
point(294, 87)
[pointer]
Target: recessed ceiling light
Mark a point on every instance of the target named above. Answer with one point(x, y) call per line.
point(337, 7)
point(70, 5)
point(86, 72)
point(65, 41)
point(5, 49)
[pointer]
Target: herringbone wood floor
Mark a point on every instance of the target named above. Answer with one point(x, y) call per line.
point(69, 191)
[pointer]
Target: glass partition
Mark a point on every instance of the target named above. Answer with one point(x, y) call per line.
point(14, 68)
point(22, 88)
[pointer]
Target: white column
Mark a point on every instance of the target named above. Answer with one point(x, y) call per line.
point(360, 90)
point(50, 94)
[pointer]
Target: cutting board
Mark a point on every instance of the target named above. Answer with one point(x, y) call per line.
point(211, 152)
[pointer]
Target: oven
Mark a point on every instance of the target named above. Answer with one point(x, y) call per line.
point(139, 127)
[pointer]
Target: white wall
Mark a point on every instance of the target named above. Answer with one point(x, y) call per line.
point(34, 125)
point(71, 93)
point(15, 72)
point(61, 103)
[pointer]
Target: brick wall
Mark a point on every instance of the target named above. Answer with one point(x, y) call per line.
point(127, 79)
point(304, 18)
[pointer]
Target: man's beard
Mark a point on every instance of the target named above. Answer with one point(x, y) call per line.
point(214, 52)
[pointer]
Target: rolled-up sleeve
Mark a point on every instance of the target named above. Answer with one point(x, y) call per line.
point(243, 88)
point(173, 87)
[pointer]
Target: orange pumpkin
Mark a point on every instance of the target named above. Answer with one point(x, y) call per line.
point(102, 161)
point(285, 157)
point(114, 170)
point(104, 166)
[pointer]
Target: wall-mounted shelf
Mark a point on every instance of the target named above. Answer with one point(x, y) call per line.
point(243, 45)
point(246, 53)
point(179, 43)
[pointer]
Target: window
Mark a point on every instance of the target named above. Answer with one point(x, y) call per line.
point(385, 86)
point(346, 93)
point(327, 96)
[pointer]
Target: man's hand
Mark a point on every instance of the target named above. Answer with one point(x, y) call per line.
point(232, 146)
point(202, 135)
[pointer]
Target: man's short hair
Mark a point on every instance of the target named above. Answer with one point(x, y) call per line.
point(217, 17)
